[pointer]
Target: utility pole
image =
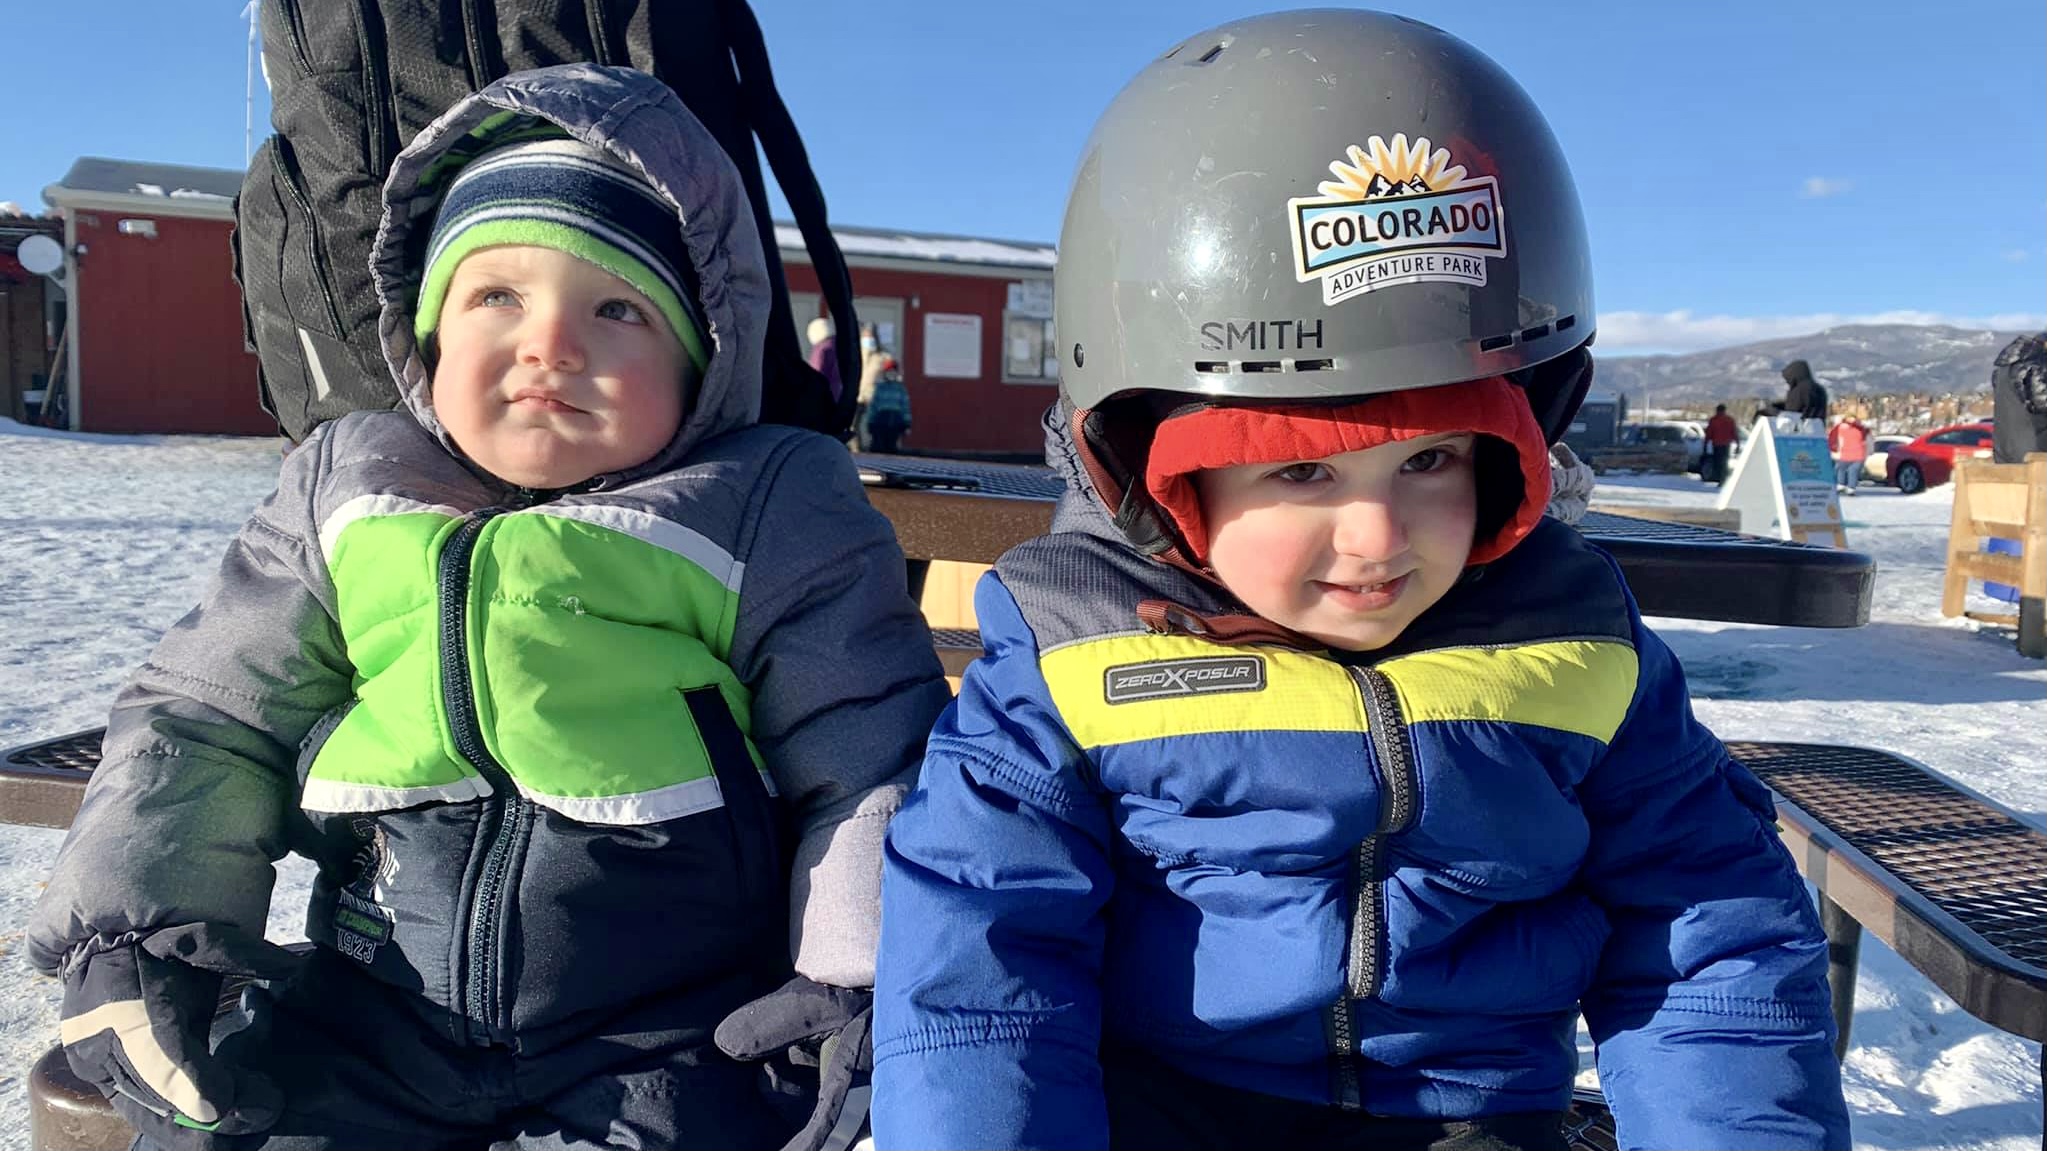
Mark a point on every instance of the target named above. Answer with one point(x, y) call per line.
point(249, 91)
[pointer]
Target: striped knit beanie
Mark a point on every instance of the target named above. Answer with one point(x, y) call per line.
point(561, 193)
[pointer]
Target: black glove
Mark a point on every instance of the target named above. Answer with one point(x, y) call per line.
point(138, 1009)
point(818, 1026)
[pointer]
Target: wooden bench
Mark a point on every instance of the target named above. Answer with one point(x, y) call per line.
point(2003, 502)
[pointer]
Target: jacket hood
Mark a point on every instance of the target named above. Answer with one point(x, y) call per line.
point(1080, 507)
point(1796, 371)
point(641, 121)
point(1090, 502)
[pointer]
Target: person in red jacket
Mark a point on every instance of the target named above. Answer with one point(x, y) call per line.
point(1849, 441)
point(1720, 437)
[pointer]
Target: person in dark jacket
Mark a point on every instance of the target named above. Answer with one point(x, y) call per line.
point(885, 414)
point(547, 673)
point(1804, 397)
point(1313, 780)
point(2018, 390)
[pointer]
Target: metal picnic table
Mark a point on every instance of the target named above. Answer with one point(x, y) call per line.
point(973, 512)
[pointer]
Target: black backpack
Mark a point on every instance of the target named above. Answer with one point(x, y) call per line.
point(353, 81)
point(2021, 369)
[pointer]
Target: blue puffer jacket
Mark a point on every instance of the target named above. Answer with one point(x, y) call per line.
point(1389, 883)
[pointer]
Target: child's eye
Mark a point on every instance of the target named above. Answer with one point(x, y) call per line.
point(495, 298)
point(624, 311)
point(1304, 473)
point(1436, 458)
point(1426, 460)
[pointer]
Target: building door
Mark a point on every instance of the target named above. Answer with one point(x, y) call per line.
point(886, 314)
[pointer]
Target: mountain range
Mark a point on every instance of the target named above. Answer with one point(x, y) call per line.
point(1853, 359)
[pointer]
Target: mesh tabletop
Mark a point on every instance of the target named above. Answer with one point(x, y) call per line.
point(1607, 525)
point(963, 638)
point(72, 754)
point(41, 784)
point(1976, 863)
point(1015, 481)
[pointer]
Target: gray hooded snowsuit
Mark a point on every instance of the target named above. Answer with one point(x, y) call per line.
point(557, 755)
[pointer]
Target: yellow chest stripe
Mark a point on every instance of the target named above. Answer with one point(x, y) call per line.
point(1130, 688)
point(1580, 686)
point(1178, 685)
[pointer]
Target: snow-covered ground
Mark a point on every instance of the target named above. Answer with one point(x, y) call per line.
point(105, 541)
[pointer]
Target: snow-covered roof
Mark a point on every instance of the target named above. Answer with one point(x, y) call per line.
point(137, 186)
point(182, 190)
point(862, 245)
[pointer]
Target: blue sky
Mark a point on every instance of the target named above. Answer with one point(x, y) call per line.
point(1748, 169)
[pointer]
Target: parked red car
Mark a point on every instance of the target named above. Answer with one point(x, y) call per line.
point(1930, 459)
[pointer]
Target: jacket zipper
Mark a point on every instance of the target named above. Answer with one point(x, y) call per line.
point(295, 33)
point(379, 120)
point(1387, 731)
point(600, 39)
point(284, 166)
point(478, 66)
point(504, 816)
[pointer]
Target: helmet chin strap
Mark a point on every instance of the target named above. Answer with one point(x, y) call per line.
point(1556, 388)
point(1118, 483)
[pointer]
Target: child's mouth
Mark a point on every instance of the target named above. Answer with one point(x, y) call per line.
point(539, 401)
point(1365, 597)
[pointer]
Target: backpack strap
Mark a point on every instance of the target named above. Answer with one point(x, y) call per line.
point(771, 122)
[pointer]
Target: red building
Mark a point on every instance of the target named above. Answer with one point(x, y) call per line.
point(156, 337)
point(970, 322)
point(155, 318)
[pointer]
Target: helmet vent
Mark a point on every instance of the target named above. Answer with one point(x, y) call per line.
point(1495, 343)
point(1211, 54)
point(1567, 323)
point(1222, 367)
point(1535, 333)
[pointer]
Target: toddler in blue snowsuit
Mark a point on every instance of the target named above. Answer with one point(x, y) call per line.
point(1313, 783)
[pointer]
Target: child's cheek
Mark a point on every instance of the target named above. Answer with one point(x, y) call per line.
point(1259, 553)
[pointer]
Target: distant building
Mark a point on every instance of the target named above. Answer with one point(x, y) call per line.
point(969, 320)
point(157, 342)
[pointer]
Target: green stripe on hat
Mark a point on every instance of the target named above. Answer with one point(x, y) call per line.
point(433, 289)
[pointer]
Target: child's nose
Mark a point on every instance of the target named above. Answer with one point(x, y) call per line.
point(550, 340)
point(1369, 529)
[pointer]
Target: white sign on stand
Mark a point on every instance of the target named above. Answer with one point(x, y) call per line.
point(1783, 486)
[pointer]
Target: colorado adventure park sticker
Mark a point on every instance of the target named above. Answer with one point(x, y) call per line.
point(1398, 213)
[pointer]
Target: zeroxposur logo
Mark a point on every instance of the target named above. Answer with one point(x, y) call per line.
point(1399, 213)
point(1200, 675)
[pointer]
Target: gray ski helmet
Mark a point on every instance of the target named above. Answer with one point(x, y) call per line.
point(1320, 204)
